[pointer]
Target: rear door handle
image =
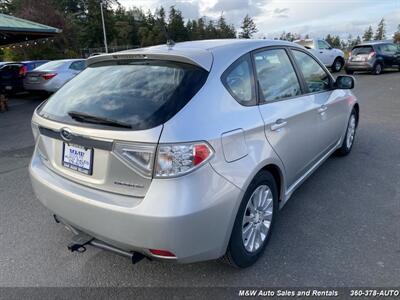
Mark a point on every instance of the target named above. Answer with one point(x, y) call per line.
point(322, 109)
point(278, 124)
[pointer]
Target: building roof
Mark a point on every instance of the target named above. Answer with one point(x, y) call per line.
point(15, 30)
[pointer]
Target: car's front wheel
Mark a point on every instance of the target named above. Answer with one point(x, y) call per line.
point(254, 221)
point(337, 64)
point(348, 140)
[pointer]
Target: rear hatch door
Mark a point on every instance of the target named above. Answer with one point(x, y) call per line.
point(101, 129)
point(361, 53)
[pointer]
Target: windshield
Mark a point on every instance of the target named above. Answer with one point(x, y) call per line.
point(361, 50)
point(143, 94)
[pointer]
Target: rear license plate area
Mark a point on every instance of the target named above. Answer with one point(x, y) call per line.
point(77, 158)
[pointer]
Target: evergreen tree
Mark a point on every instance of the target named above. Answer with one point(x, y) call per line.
point(380, 33)
point(211, 30)
point(396, 36)
point(336, 42)
point(176, 27)
point(368, 34)
point(329, 39)
point(358, 41)
point(248, 28)
point(225, 31)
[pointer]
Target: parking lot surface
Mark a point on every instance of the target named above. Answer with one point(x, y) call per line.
point(340, 228)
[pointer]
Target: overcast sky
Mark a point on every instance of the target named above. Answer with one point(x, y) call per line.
point(314, 17)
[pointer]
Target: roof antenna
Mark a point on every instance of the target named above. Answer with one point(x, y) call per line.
point(170, 43)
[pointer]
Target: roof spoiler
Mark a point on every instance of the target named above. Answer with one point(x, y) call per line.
point(144, 56)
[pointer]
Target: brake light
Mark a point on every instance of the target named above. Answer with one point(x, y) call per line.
point(371, 55)
point(22, 71)
point(49, 76)
point(180, 159)
point(161, 253)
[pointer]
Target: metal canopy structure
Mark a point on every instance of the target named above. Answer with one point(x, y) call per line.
point(15, 30)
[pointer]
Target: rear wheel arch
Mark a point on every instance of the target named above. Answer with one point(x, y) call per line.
point(276, 172)
point(356, 108)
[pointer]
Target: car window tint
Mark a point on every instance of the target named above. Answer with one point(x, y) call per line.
point(316, 78)
point(144, 93)
point(360, 50)
point(323, 45)
point(388, 49)
point(50, 65)
point(276, 76)
point(238, 80)
point(77, 65)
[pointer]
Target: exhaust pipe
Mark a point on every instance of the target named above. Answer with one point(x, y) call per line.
point(81, 239)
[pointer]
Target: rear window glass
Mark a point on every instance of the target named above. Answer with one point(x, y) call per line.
point(309, 44)
point(143, 94)
point(50, 65)
point(361, 50)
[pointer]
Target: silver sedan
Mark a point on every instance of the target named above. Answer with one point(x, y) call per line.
point(50, 76)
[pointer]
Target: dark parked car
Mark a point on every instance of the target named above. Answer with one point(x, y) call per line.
point(373, 57)
point(12, 75)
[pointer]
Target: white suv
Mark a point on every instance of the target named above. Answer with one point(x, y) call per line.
point(331, 57)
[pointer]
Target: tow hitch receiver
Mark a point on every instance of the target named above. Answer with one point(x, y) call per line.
point(79, 241)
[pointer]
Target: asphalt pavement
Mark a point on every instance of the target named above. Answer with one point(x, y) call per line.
point(341, 228)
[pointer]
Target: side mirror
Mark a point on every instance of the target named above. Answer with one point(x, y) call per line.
point(344, 82)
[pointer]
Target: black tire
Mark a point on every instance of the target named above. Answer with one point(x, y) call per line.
point(377, 70)
point(337, 65)
point(345, 149)
point(349, 72)
point(236, 254)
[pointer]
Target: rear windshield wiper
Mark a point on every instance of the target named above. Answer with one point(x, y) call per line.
point(82, 117)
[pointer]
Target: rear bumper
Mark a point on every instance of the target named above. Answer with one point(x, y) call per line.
point(191, 216)
point(358, 66)
point(39, 87)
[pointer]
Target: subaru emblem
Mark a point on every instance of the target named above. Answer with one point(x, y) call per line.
point(66, 134)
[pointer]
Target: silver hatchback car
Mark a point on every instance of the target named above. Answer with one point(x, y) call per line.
point(187, 152)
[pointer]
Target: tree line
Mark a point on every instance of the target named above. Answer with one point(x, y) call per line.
point(80, 21)
point(346, 44)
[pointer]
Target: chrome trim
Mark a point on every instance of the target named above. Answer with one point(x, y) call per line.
point(77, 139)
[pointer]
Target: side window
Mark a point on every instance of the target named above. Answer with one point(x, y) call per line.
point(238, 80)
point(389, 49)
point(317, 80)
point(276, 76)
point(323, 45)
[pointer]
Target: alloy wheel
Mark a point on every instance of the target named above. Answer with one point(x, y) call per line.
point(257, 218)
point(338, 65)
point(351, 130)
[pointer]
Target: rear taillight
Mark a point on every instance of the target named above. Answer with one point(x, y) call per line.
point(371, 55)
point(49, 76)
point(22, 71)
point(179, 159)
point(140, 157)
